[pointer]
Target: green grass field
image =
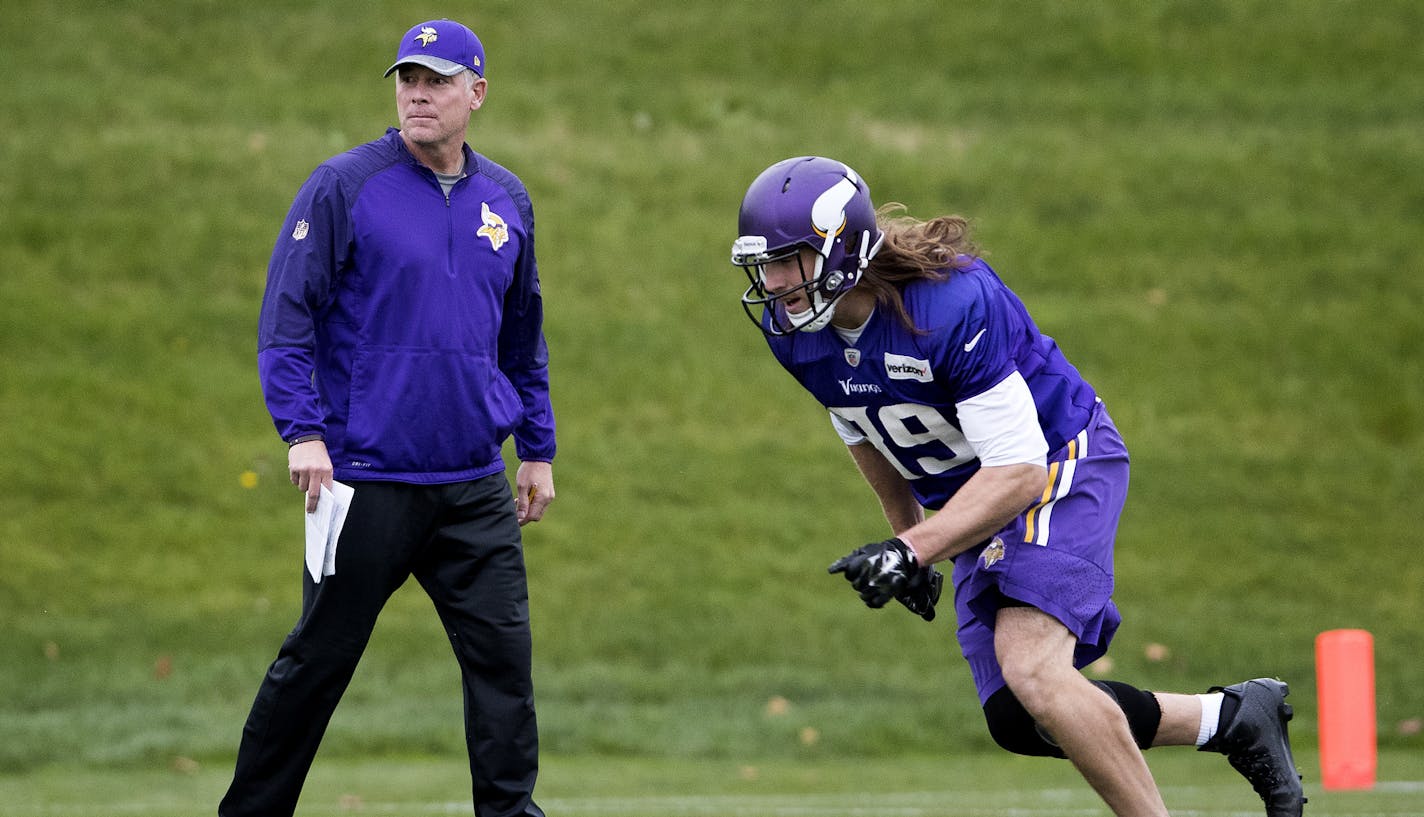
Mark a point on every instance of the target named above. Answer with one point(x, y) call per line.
point(1214, 207)
point(979, 785)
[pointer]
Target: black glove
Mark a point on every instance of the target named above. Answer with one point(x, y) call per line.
point(922, 593)
point(886, 570)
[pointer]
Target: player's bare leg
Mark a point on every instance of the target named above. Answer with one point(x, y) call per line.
point(1035, 652)
point(1181, 719)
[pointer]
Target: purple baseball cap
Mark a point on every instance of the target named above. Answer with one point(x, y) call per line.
point(443, 46)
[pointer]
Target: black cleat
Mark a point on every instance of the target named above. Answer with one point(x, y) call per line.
point(1253, 736)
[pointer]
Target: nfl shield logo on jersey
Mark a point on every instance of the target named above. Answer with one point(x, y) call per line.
point(852, 356)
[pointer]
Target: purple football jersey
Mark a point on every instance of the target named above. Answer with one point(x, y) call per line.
point(899, 388)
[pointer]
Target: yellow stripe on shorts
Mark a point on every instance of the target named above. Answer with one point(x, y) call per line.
point(1060, 481)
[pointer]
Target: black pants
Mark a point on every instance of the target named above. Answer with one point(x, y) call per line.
point(461, 542)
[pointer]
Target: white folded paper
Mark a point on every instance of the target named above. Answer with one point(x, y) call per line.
point(324, 528)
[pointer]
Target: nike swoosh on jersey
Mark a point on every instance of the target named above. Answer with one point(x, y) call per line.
point(969, 347)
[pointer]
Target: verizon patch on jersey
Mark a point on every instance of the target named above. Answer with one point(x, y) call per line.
point(900, 367)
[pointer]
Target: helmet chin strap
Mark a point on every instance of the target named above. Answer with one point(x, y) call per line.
point(816, 318)
point(819, 316)
point(868, 252)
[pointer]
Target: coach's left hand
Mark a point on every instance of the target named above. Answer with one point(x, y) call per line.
point(533, 490)
point(309, 468)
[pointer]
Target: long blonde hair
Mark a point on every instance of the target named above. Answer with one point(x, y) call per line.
point(912, 250)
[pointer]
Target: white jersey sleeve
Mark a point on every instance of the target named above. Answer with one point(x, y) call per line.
point(850, 435)
point(1001, 424)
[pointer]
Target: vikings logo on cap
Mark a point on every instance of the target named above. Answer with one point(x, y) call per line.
point(443, 46)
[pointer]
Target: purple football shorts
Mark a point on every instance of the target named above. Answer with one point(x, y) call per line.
point(1056, 556)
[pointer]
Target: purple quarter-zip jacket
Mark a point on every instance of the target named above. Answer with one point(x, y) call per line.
point(405, 327)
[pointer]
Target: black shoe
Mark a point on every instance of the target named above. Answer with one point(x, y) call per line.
point(1252, 734)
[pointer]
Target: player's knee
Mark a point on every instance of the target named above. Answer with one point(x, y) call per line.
point(1032, 684)
point(1013, 728)
point(1142, 709)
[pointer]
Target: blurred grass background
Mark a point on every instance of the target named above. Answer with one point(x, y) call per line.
point(1215, 207)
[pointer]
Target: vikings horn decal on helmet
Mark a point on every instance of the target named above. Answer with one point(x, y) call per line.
point(810, 202)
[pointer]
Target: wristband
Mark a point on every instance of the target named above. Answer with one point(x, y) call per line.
point(305, 438)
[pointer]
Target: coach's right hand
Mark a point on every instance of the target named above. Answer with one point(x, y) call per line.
point(309, 467)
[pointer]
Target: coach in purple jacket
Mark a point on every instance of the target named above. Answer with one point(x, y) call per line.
point(400, 345)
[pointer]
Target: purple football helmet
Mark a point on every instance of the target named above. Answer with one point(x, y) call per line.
point(811, 202)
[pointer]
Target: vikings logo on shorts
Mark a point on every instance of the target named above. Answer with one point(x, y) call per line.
point(993, 553)
point(495, 228)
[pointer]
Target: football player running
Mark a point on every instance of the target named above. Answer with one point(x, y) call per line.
point(950, 398)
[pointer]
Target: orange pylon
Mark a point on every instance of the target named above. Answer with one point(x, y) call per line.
point(1345, 682)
